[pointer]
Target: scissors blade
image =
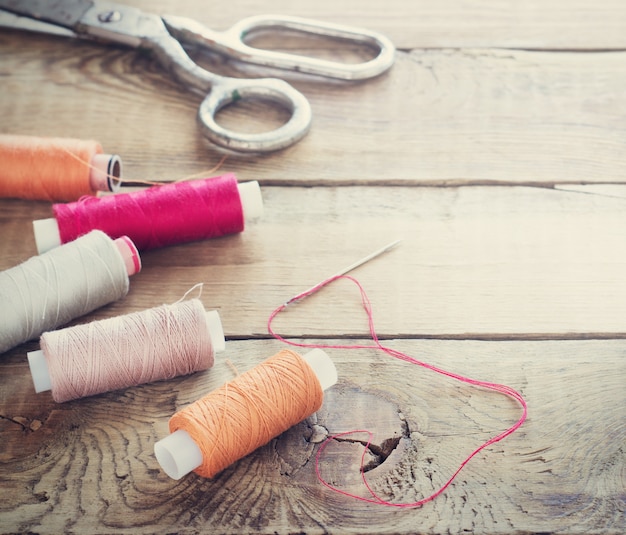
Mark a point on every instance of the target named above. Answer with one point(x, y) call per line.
point(91, 19)
point(18, 22)
point(63, 13)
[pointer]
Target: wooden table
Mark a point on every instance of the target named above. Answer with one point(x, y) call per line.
point(470, 150)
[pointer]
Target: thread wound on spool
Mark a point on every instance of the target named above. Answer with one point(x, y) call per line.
point(51, 169)
point(158, 216)
point(246, 413)
point(142, 347)
point(51, 289)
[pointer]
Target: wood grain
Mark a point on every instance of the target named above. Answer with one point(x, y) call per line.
point(87, 466)
point(538, 24)
point(465, 150)
point(474, 262)
point(470, 116)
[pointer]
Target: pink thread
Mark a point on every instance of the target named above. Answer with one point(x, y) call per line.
point(161, 215)
point(503, 389)
point(119, 352)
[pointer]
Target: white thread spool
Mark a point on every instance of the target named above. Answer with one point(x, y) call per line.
point(50, 290)
point(136, 349)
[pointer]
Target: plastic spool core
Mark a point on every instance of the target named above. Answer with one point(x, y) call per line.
point(47, 235)
point(39, 370)
point(105, 172)
point(251, 200)
point(130, 255)
point(178, 454)
point(115, 173)
point(323, 367)
point(216, 332)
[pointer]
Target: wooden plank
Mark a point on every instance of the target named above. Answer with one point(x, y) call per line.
point(486, 262)
point(87, 466)
point(541, 24)
point(482, 93)
point(439, 117)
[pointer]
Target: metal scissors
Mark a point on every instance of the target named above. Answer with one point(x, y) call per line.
point(166, 36)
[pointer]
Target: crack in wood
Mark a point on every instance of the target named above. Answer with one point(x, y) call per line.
point(23, 422)
point(469, 336)
point(380, 453)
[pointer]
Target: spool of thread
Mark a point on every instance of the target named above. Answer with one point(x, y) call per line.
point(55, 169)
point(152, 345)
point(48, 291)
point(158, 216)
point(246, 413)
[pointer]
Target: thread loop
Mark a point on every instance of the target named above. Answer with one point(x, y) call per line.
point(367, 306)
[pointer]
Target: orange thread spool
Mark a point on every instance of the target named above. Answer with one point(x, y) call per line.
point(55, 169)
point(246, 413)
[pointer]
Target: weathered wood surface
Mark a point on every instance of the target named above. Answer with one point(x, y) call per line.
point(87, 466)
point(535, 24)
point(438, 117)
point(517, 282)
point(487, 262)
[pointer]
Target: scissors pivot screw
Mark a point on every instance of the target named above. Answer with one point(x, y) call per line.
point(110, 16)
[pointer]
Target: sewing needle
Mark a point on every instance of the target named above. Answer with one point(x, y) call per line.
point(348, 269)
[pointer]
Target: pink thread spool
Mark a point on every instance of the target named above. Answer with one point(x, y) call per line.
point(142, 347)
point(158, 216)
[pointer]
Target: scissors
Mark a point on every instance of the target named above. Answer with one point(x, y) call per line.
point(166, 36)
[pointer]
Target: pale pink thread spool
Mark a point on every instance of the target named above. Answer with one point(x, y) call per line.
point(142, 347)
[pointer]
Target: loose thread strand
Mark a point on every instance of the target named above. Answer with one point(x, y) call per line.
point(198, 286)
point(145, 182)
point(376, 499)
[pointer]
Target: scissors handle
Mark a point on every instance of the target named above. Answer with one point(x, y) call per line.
point(227, 91)
point(231, 43)
point(221, 91)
